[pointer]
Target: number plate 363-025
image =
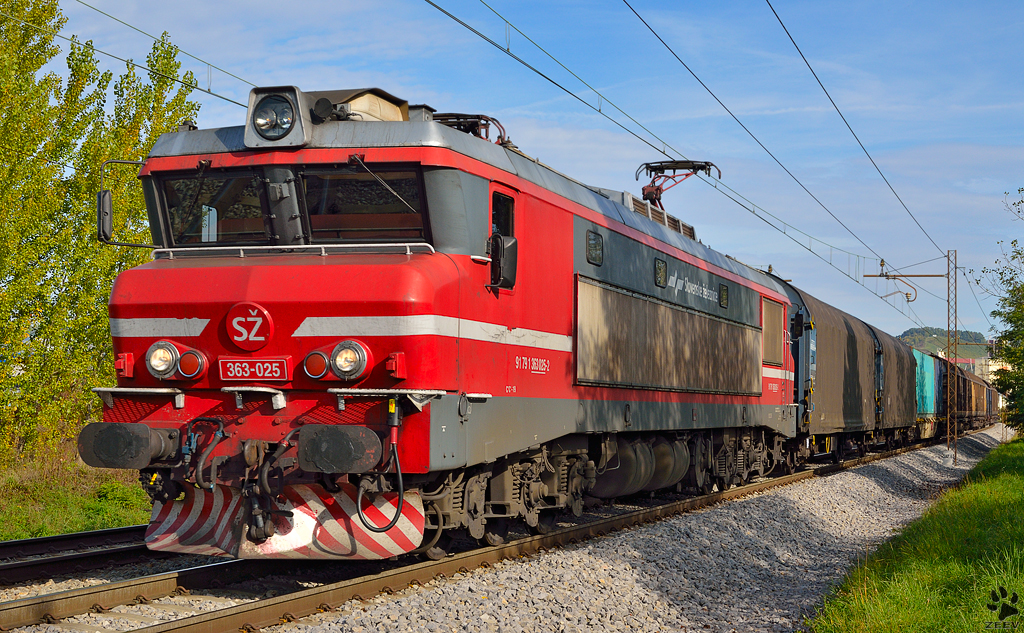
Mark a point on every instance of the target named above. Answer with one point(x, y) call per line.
point(253, 369)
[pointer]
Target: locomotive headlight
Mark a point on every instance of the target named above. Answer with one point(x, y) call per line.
point(349, 360)
point(162, 359)
point(273, 117)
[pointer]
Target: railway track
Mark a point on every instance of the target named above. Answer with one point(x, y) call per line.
point(116, 600)
point(30, 559)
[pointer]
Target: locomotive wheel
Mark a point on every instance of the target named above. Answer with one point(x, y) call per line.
point(723, 483)
point(496, 530)
point(440, 549)
point(547, 521)
point(838, 455)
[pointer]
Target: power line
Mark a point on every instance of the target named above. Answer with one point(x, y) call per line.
point(971, 286)
point(549, 79)
point(905, 208)
point(156, 39)
point(916, 319)
point(719, 186)
point(749, 133)
point(126, 61)
point(927, 261)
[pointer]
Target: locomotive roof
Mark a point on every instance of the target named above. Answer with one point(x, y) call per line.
point(360, 134)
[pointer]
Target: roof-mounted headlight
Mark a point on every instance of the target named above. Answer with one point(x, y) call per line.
point(278, 116)
point(273, 117)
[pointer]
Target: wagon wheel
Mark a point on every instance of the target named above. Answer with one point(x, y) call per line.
point(789, 464)
point(839, 453)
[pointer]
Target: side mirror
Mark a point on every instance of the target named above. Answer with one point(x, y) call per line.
point(504, 252)
point(104, 216)
point(105, 208)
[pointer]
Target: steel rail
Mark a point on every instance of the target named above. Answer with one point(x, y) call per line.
point(63, 542)
point(52, 607)
point(30, 559)
point(287, 608)
point(255, 615)
point(59, 564)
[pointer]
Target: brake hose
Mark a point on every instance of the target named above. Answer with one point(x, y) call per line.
point(401, 499)
point(264, 476)
point(217, 437)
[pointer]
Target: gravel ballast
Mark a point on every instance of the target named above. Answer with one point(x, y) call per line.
point(761, 563)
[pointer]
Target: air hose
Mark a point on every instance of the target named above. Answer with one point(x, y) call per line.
point(264, 476)
point(217, 437)
point(401, 499)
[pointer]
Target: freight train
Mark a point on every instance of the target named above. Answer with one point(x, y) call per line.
point(367, 326)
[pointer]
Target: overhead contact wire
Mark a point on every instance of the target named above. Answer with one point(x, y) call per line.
point(971, 286)
point(916, 319)
point(156, 39)
point(549, 79)
point(751, 134)
point(717, 184)
point(721, 187)
point(866, 153)
point(89, 46)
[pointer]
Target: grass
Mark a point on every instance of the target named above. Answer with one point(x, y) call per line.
point(57, 494)
point(939, 574)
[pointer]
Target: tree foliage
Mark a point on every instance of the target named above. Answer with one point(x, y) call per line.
point(933, 339)
point(1006, 280)
point(55, 131)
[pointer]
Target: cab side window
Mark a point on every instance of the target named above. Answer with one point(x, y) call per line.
point(502, 214)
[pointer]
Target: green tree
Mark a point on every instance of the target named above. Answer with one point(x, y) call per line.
point(54, 276)
point(1006, 280)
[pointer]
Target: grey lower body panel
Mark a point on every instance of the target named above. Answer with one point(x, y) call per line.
point(497, 427)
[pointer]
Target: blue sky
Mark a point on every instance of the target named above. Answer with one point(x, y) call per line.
point(935, 91)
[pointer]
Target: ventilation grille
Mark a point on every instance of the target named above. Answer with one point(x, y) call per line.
point(640, 206)
point(644, 208)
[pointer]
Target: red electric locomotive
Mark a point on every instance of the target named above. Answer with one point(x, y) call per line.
point(366, 325)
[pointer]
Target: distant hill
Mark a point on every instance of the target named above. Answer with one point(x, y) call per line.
point(933, 339)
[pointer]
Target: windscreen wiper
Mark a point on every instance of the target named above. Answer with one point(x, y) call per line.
point(355, 158)
point(187, 222)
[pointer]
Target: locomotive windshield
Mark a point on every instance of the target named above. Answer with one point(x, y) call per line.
point(340, 205)
point(212, 209)
point(356, 206)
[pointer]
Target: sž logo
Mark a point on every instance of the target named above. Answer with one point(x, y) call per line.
point(249, 326)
